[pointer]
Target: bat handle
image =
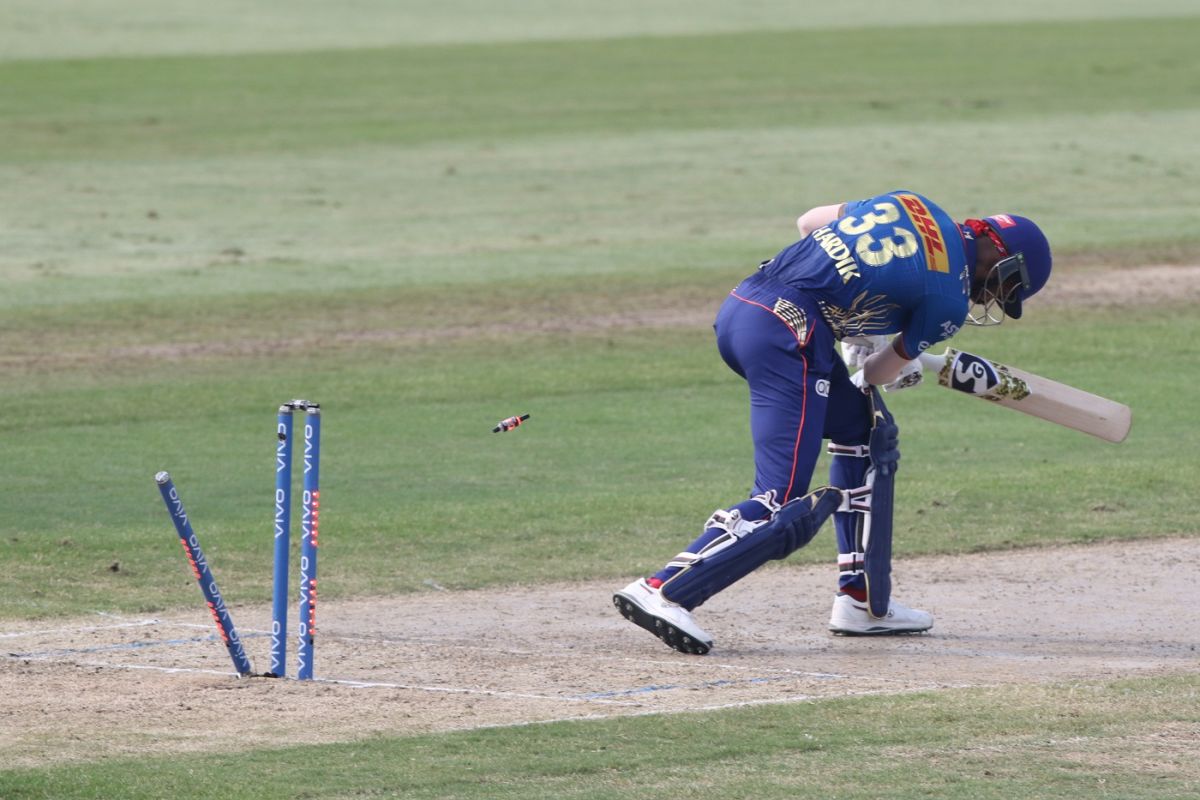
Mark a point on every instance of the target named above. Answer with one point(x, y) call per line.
point(933, 361)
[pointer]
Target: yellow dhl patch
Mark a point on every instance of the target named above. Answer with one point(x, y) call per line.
point(936, 256)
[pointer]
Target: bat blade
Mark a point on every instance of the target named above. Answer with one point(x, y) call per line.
point(1030, 394)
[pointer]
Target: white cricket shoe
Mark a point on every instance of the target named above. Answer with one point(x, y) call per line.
point(644, 606)
point(851, 618)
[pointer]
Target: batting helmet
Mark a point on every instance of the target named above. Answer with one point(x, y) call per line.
point(1027, 253)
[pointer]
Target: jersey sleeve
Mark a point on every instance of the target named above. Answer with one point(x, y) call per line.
point(853, 207)
point(936, 319)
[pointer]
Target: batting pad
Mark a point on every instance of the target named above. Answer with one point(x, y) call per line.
point(877, 530)
point(734, 557)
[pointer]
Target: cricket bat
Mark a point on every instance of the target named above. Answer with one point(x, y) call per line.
point(1030, 394)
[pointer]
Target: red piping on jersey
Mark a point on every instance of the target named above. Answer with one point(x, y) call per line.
point(804, 401)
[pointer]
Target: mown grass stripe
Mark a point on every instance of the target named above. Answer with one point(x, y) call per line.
point(290, 102)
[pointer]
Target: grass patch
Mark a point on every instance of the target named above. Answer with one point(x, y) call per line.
point(1130, 739)
point(184, 106)
point(647, 421)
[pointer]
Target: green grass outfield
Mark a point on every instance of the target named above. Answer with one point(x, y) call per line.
point(429, 228)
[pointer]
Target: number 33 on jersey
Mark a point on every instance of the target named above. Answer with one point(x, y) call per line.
point(894, 263)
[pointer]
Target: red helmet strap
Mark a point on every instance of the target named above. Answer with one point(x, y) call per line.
point(981, 228)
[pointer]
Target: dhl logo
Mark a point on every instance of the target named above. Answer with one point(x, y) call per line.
point(936, 257)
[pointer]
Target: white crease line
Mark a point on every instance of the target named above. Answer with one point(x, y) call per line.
point(691, 662)
point(169, 623)
point(779, 701)
point(203, 627)
point(700, 663)
point(87, 629)
point(705, 663)
point(523, 696)
point(385, 641)
point(351, 683)
point(147, 667)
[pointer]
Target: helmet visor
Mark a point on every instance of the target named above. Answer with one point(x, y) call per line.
point(1013, 278)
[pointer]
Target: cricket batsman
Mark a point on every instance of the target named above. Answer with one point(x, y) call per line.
point(894, 265)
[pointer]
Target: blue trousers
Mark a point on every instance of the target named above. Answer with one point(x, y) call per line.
point(774, 337)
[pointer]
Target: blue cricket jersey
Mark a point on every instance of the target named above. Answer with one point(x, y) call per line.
point(894, 263)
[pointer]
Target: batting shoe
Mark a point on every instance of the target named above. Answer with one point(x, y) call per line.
point(644, 606)
point(851, 618)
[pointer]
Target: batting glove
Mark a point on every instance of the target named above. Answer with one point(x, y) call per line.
point(911, 374)
point(855, 349)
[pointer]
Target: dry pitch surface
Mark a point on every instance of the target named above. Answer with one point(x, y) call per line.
point(107, 686)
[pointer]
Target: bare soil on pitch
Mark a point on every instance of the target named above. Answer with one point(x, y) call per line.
point(104, 687)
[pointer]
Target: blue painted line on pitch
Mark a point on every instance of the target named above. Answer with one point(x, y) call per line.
point(670, 686)
point(212, 637)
